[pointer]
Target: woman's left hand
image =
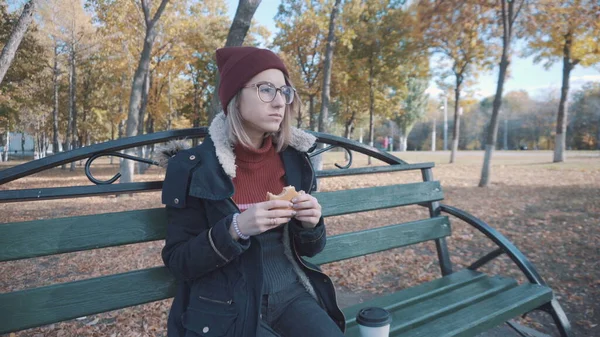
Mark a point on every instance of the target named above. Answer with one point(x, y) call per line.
point(308, 209)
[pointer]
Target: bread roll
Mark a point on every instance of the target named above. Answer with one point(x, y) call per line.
point(288, 193)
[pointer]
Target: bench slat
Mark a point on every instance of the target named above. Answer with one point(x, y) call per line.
point(438, 306)
point(34, 307)
point(39, 194)
point(349, 245)
point(425, 310)
point(372, 169)
point(486, 314)
point(22, 240)
point(417, 293)
point(409, 314)
point(373, 198)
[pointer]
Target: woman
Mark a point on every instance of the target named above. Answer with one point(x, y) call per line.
point(235, 255)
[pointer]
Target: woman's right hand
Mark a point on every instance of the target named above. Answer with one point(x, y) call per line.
point(263, 216)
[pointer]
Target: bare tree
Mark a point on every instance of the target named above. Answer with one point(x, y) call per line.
point(10, 49)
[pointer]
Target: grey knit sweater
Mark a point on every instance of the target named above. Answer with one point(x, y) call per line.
point(277, 269)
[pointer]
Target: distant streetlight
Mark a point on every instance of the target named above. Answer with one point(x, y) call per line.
point(445, 107)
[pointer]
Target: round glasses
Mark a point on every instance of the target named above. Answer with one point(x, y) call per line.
point(266, 92)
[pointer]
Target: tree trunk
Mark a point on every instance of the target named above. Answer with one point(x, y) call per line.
point(349, 125)
point(505, 146)
point(10, 48)
point(144, 104)
point(456, 128)
point(563, 108)
point(55, 132)
point(299, 119)
point(349, 129)
point(85, 135)
point(403, 142)
point(237, 33)
point(169, 100)
point(598, 134)
point(7, 143)
point(196, 119)
point(67, 146)
point(492, 132)
point(371, 106)
point(324, 114)
point(138, 86)
point(311, 112)
point(73, 101)
point(403, 137)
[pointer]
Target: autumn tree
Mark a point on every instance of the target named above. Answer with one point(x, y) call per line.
point(515, 105)
point(412, 108)
point(569, 31)
point(457, 31)
point(508, 11)
point(50, 23)
point(584, 129)
point(23, 75)
point(301, 38)
point(200, 43)
point(381, 44)
point(140, 77)
point(12, 44)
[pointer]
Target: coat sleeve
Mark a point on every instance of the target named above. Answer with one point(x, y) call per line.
point(193, 247)
point(308, 241)
point(193, 250)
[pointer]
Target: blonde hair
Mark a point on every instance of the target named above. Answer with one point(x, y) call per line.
point(238, 135)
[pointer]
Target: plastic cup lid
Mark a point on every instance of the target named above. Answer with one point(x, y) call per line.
point(373, 317)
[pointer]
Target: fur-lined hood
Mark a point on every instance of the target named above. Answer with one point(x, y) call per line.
point(300, 140)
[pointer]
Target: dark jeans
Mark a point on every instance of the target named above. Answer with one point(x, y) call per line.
point(293, 312)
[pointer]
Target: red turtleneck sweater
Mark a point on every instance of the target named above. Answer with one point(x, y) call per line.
point(258, 171)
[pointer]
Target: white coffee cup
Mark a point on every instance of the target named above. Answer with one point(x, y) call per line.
point(374, 322)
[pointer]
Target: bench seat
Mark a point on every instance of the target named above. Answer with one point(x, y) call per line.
point(460, 304)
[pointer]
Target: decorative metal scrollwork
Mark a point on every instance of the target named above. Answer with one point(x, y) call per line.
point(330, 147)
point(88, 163)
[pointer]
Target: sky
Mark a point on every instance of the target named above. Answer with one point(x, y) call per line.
point(525, 75)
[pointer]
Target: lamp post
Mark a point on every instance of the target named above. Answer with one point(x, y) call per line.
point(445, 123)
point(433, 136)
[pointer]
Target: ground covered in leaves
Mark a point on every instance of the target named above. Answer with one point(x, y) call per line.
point(550, 211)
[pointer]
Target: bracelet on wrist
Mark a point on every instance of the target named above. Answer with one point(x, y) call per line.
point(236, 228)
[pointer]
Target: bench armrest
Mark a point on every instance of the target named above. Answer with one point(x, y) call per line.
point(507, 247)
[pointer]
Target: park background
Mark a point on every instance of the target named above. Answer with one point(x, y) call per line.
point(381, 72)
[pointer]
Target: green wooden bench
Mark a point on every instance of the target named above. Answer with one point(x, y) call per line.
point(459, 303)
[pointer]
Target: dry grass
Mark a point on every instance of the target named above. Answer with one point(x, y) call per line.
point(550, 211)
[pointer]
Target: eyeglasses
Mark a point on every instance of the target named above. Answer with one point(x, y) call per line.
point(266, 92)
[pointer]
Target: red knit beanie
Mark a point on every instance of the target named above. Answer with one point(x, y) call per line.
point(237, 65)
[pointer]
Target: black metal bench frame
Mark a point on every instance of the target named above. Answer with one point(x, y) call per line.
point(112, 148)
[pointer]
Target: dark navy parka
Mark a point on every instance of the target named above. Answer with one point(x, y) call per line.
point(220, 279)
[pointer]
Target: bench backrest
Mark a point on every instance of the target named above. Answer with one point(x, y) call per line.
point(58, 302)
